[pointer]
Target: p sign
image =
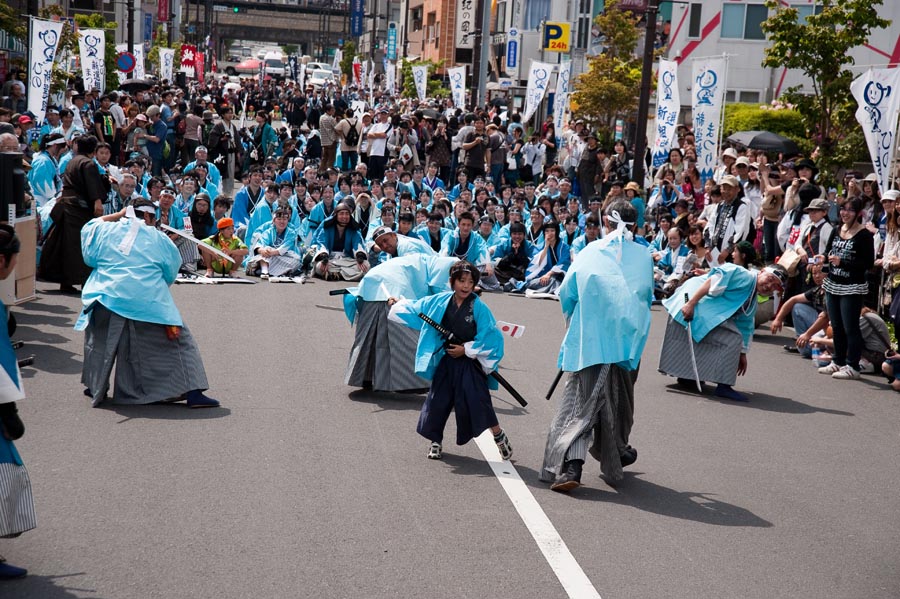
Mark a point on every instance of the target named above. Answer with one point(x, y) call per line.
point(557, 36)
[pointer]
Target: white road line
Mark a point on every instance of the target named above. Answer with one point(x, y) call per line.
point(570, 575)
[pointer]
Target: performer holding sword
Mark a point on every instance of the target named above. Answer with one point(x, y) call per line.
point(711, 322)
point(458, 370)
point(605, 297)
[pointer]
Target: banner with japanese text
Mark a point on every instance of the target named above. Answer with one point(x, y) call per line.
point(668, 105)
point(41, 54)
point(465, 24)
point(561, 99)
point(420, 77)
point(538, 80)
point(707, 100)
point(188, 58)
point(91, 46)
point(390, 76)
point(877, 91)
point(458, 85)
point(167, 63)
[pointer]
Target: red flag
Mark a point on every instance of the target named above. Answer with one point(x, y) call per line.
point(162, 11)
point(198, 65)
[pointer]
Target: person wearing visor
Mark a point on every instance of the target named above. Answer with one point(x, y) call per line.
point(128, 312)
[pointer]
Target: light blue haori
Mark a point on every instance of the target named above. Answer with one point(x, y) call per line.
point(487, 347)
point(44, 178)
point(606, 297)
point(477, 253)
point(732, 293)
point(406, 277)
point(134, 264)
point(412, 245)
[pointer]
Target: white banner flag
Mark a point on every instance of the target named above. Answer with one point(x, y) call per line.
point(167, 63)
point(338, 57)
point(371, 79)
point(41, 53)
point(707, 99)
point(465, 23)
point(364, 74)
point(302, 76)
point(877, 91)
point(538, 81)
point(561, 99)
point(390, 74)
point(458, 85)
point(91, 47)
point(139, 72)
point(420, 77)
point(668, 105)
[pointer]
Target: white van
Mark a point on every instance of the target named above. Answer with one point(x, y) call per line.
point(275, 66)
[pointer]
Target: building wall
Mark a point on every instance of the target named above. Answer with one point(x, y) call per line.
point(747, 80)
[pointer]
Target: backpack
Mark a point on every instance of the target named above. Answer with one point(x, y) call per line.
point(352, 137)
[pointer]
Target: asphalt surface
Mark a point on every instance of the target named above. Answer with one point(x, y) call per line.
point(302, 487)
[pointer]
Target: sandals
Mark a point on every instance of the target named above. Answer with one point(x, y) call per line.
point(435, 452)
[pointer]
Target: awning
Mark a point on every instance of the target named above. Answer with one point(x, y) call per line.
point(11, 44)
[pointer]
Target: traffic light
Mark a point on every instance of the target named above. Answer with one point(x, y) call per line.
point(236, 9)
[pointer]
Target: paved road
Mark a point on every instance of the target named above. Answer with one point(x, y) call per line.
point(302, 487)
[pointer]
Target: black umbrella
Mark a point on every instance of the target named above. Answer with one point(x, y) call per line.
point(765, 141)
point(136, 85)
point(430, 113)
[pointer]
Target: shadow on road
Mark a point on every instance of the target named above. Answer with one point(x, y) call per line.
point(465, 465)
point(46, 587)
point(762, 401)
point(49, 358)
point(387, 400)
point(167, 411)
point(38, 306)
point(657, 499)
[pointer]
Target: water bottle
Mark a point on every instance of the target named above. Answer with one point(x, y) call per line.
point(816, 353)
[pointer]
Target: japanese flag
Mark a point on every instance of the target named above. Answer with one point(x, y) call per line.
point(511, 330)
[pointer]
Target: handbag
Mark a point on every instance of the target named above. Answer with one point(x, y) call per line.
point(790, 260)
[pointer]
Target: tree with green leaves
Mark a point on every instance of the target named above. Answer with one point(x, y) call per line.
point(434, 88)
point(820, 48)
point(349, 53)
point(289, 49)
point(611, 86)
point(13, 23)
point(162, 41)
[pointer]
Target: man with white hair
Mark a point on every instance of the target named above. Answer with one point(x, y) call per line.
point(201, 154)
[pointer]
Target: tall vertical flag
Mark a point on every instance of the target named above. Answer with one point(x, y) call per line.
point(188, 56)
point(338, 57)
point(92, 48)
point(668, 105)
point(458, 85)
point(538, 80)
point(390, 76)
point(707, 100)
point(167, 63)
point(357, 72)
point(420, 77)
point(561, 99)
point(139, 72)
point(292, 64)
point(363, 73)
point(877, 91)
point(41, 54)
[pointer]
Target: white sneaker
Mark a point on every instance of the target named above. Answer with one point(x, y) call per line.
point(866, 367)
point(829, 369)
point(847, 373)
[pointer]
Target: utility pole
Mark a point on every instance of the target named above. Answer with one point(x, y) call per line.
point(478, 78)
point(130, 32)
point(374, 31)
point(640, 142)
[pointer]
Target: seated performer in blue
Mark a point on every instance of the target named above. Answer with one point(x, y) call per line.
point(16, 502)
point(274, 250)
point(383, 353)
point(129, 313)
point(720, 312)
point(338, 247)
point(458, 371)
point(605, 297)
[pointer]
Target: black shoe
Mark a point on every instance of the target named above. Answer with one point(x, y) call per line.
point(629, 456)
point(791, 349)
point(688, 383)
point(68, 289)
point(570, 478)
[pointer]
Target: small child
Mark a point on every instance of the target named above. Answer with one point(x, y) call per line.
point(459, 370)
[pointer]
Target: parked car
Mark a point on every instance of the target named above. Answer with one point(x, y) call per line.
point(319, 77)
point(275, 66)
point(229, 65)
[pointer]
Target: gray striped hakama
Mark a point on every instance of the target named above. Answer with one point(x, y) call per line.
point(279, 265)
point(188, 250)
point(717, 355)
point(16, 502)
point(384, 352)
point(149, 366)
point(595, 415)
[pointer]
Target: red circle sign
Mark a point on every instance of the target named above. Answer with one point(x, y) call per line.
point(126, 62)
